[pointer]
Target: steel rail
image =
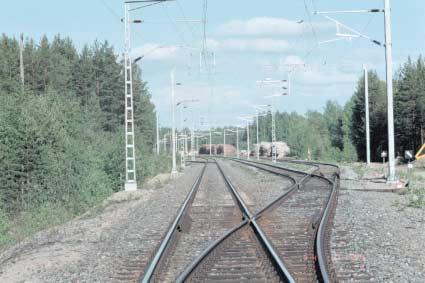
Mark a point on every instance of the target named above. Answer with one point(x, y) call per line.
point(314, 163)
point(282, 270)
point(191, 267)
point(249, 220)
point(321, 234)
point(171, 232)
point(252, 163)
point(320, 251)
point(283, 197)
point(295, 185)
point(311, 163)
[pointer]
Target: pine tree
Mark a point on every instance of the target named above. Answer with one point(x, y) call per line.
point(9, 65)
point(378, 117)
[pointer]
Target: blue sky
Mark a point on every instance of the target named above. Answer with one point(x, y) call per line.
point(251, 41)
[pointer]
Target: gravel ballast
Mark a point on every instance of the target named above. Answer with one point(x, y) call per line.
point(377, 237)
point(110, 245)
point(257, 187)
point(211, 215)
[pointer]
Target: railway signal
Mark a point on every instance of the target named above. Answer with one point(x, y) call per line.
point(384, 155)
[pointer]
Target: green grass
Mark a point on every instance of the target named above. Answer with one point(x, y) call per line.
point(416, 191)
point(18, 225)
point(415, 194)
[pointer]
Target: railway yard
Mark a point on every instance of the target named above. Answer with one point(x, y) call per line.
point(231, 220)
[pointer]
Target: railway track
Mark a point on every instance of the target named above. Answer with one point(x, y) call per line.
point(283, 242)
point(208, 213)
point(257, 188)
point(249, 248)
point(299, 224)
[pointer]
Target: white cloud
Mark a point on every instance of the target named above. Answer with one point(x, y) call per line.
point(266, 26)
point(256, 45)
point(152, 51)
point(322, 77)
point(292, 60)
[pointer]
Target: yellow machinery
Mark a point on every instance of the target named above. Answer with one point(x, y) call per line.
point(420, 154)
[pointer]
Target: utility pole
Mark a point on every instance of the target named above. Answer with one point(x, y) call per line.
point(157, 133)
point(197, 145)
point(247, 138)
point(130, 157)
point(181, 139)
point(273, 132)
point(210, 143)
point(389, 70)
point(173, 130)
point(287, 88)
point(185, 147)
point(366, 91)
point(182, 105)
point(21, 60)
point(237, 142)
point(224, 142)
point(257, 112)
point(192, 139)
point(258, 144)
point(247, 119)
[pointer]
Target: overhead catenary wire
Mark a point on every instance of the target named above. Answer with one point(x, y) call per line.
point(356, 40)
point(110, 9)
point(117, 15)
point(179, 33)
point(310, 21)
point(147, 5)
point(189, 27)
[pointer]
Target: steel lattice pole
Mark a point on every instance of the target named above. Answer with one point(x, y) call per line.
point(273, 133)
point(130, 157)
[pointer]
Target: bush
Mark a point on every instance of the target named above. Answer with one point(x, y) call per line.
point(416, 196)
point(4, 227)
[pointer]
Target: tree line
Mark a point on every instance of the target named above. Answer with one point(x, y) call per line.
point(62, 136)
point(338, 133)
